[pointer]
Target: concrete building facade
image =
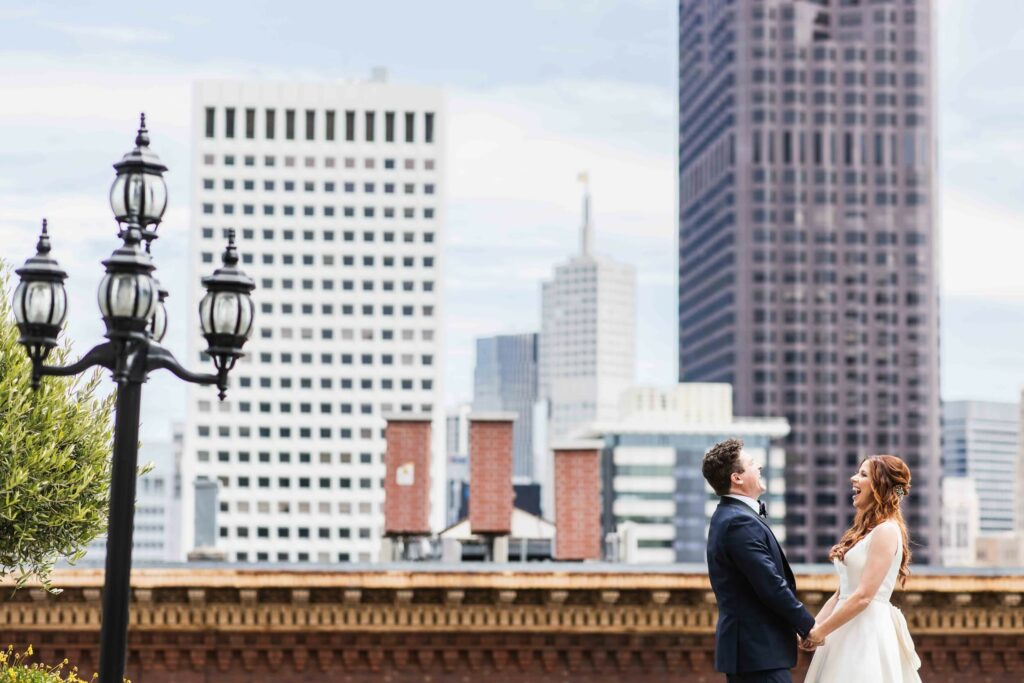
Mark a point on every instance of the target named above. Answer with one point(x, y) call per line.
point(335, 191)
point(653, 492)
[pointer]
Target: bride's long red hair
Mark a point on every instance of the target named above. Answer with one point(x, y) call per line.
point(887, 474)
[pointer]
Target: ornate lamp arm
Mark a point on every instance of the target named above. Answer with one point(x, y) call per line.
point(103, 355)
point(160, 358)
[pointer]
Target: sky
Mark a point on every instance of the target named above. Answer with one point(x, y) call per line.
point(537, 91)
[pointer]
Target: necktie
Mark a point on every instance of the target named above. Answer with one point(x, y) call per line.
point(761, 509)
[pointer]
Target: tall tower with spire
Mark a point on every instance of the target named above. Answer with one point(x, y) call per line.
point(587, 232)
point(588, 335)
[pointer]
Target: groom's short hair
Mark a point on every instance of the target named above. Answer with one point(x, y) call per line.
point(720, 462)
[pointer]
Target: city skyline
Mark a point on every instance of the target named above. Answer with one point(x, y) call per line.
point(603, 100)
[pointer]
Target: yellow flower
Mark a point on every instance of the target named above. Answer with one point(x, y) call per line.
point(29, 650)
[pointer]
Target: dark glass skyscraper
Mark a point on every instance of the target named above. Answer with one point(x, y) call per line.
point(808, 240)
point(505, 379)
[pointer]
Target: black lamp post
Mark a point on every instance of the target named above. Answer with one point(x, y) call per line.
point(132, 303)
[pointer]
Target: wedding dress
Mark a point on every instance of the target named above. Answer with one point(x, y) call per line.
point(875, 646)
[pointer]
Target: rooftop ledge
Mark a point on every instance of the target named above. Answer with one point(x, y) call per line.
point(549, 575)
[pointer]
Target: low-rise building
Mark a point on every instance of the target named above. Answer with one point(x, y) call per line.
point(655, 498)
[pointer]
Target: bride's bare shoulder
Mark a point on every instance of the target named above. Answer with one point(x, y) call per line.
point(886, 535)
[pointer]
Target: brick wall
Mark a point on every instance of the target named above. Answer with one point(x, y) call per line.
point(407, 482)
point(578, 504)
point(490, 473)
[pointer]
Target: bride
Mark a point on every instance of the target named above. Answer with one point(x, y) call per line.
point(866, 637)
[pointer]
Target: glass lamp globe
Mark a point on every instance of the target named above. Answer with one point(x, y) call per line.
point(40, 301)
point(139, 193)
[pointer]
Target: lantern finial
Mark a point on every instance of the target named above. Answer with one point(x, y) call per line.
point(43, 245)
point(230, 257)
point(142, 139)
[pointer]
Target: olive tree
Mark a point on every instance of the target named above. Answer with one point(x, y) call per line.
point(54, 459)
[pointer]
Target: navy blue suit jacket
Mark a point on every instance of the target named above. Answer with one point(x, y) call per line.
point(759, 615)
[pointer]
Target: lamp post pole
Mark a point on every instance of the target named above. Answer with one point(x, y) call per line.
point(131, 301)
point(117, 574)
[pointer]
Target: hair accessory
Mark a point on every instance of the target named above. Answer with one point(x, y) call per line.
point(900, 491)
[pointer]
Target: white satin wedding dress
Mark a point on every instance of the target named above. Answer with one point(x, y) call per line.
point(875, 646)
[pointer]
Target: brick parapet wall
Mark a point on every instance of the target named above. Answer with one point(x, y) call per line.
point(561, 624)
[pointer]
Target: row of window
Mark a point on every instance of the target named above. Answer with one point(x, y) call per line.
point(366, 359)
point(326, 334)
point(285, 457)
point(367, 237)
point(319, 125)
point(830, 148)
point(324, 533)
point(880, 55)
point(303, 507)
point(227, 209)
point(297, 557)
point(825, 78)
point(882, 238)
point(346, 333)
point(327, 284)
point(329, 186)
point(245, 431)
point(270, 161)
point(367, 383)
point(285, 407)
point(322, 483)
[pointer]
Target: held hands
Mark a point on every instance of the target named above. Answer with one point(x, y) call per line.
point(813, 640)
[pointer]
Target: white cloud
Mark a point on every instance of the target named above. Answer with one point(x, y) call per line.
point(513, 197)
point(982, 243)
point(118, 35)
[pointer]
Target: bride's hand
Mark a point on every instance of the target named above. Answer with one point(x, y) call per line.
point(816, 637)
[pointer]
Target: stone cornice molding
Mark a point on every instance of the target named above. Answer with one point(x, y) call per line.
point(564, 601)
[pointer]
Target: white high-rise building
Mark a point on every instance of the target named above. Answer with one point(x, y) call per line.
point(588, 337)
point(960, 519)
point(335, 192)
point(980, 441)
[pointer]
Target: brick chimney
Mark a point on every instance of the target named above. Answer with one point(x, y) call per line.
point(490, 473)
point(578, 500)
point(407, 481)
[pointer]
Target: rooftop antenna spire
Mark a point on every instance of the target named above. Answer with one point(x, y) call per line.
point(587, 233)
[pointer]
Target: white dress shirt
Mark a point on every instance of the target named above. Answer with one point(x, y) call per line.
point(750, 502)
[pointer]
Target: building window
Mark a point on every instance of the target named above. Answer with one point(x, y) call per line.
point(250, 125)
point(229, 122)
point(269, 123)
point(209, 122)
point(310, 124)
point(330, 129)
point(428, 134)
point(289, 124)
point(410, 126)
point(389, 126)
point(369, 125)
point(350, 129)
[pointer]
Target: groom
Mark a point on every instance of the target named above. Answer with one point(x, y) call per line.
point(758, 613)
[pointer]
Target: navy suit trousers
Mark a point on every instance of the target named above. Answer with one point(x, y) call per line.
point(773, 676)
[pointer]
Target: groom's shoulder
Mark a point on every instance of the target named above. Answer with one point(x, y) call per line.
point(726, 513)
